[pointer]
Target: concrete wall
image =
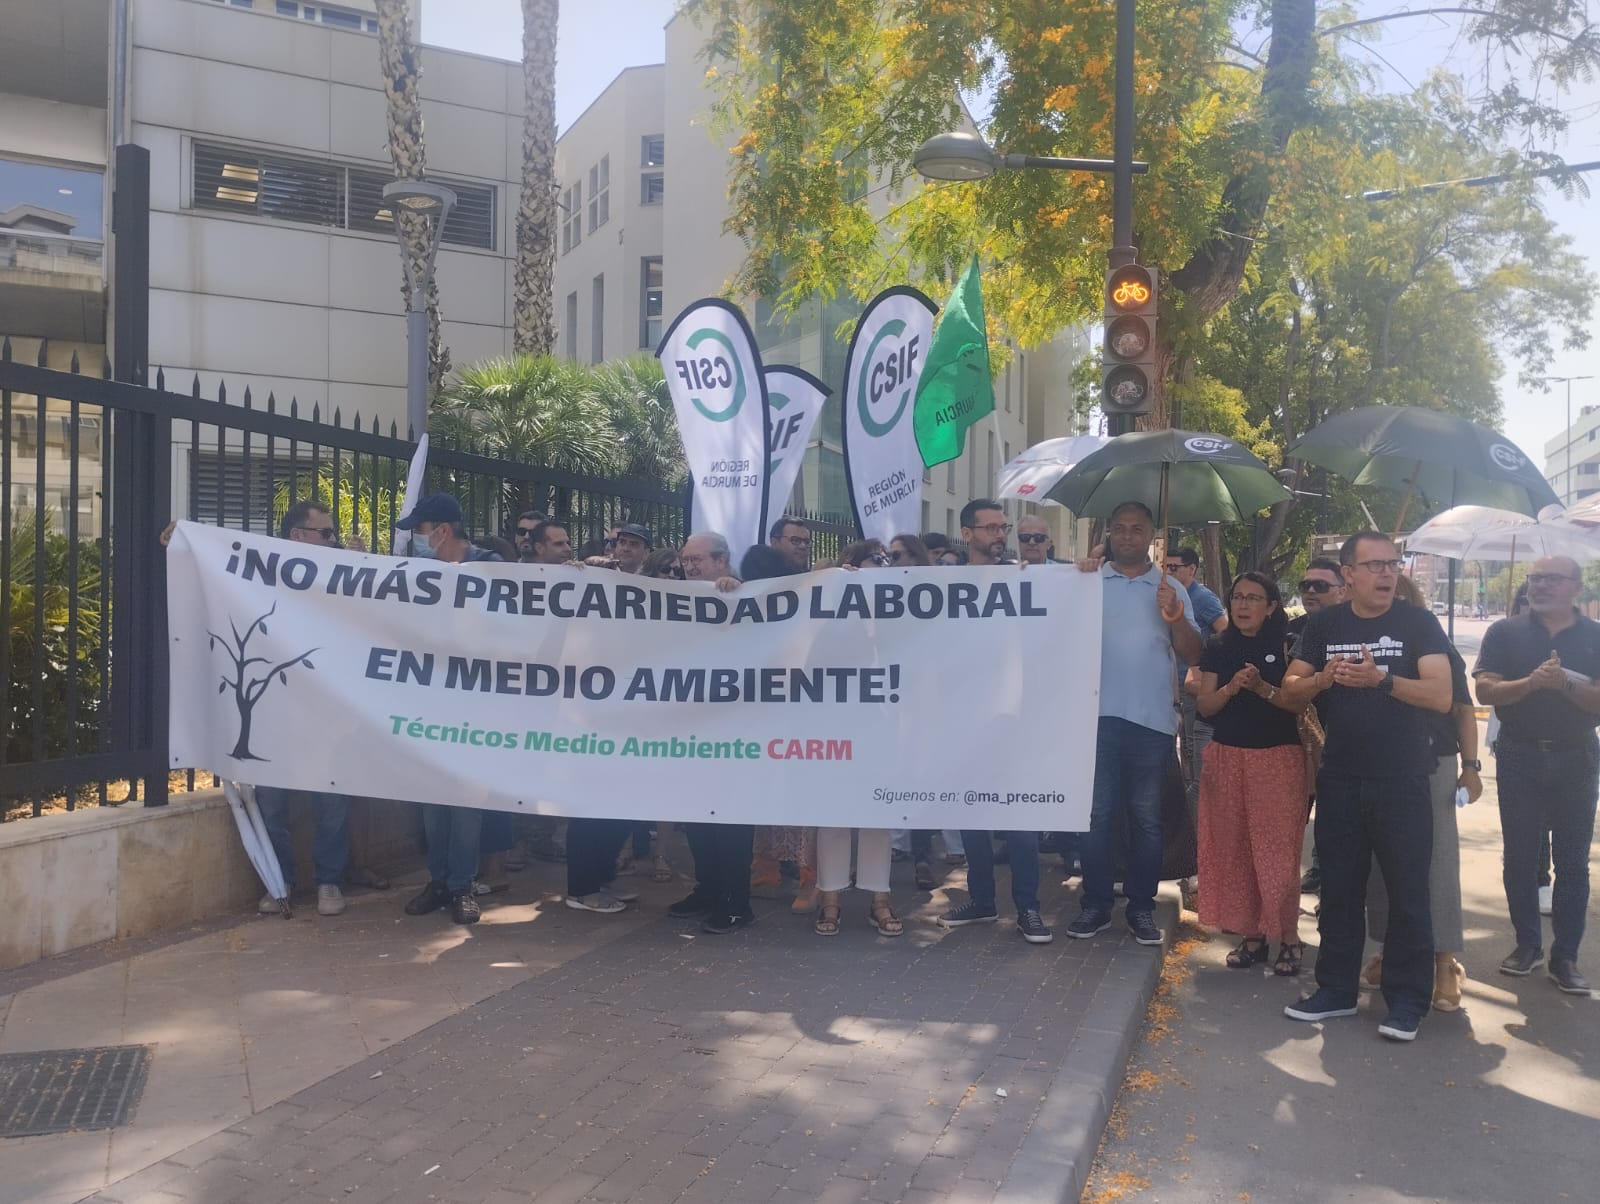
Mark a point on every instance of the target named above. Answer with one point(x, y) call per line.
point(31, 128)
point(76, 878)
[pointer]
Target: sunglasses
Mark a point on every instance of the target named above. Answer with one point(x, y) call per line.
point(1315, 587)
point(326, 534)
point(610, 543)
point(879, 558)
point(526, 532)
point(1031, 537)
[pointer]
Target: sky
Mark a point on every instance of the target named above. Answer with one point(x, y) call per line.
point(590, 53)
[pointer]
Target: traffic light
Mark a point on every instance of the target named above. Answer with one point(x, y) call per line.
point(1127, 381)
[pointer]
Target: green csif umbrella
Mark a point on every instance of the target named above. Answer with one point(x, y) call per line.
point(1450, 461)
point(1182, 476)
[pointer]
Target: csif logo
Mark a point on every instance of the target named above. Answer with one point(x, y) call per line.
point(783, 429)
point(1205, 445)
point(1506, 456)
point(716, 375)
point(885, 370)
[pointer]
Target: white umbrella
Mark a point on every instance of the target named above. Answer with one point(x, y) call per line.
point(1484, 533)
point(257, 845)
point(1030, 475)
point(1586, 511)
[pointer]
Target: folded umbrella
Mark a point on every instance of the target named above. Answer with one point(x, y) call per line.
point(257, 846)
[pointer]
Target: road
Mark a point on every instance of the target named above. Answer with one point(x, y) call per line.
point(1226, 1099)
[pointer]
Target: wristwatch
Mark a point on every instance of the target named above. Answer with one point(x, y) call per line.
point(1475, 766)
point(1386, 684)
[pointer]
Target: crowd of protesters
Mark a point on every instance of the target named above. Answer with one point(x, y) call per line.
point(1358, 713)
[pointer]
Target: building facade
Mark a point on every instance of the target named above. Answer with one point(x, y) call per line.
point(656, 244)
point(1580, 441)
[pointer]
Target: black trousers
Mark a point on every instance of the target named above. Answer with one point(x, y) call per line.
point(722, 856)
point(1390, 819)
point(592, 848)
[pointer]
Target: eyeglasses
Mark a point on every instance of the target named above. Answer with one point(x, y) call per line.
point(798, 541)
point(694, 562)
point(1379, 567)
point(1248, 599)
point(1549, 578)
point(1033, 537)
point(610, 543)
point(326, 534)
point(993, 528)
point(1315, 587)
point(1172, 566)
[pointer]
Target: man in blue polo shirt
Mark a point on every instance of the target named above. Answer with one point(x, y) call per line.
point(1145, 621)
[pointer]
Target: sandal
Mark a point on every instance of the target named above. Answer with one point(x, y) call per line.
point(1251, 951)
point(828, 914)
point(1287, 963)
point(883, 917)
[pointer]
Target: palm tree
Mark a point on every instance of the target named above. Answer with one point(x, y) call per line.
point(638, 408)
point(533, 322)
point(402, 75)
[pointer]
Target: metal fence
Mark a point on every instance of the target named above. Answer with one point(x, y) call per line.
point(92, 469)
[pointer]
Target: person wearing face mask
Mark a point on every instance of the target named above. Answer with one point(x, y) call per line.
point(454, 834)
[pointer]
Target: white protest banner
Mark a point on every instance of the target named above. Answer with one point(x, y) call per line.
point(794, 400)
point(720, 397)
point(903, 698)
point(882, 464)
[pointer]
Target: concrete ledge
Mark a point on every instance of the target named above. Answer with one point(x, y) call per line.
point(79, 877)
point(1052, 1167)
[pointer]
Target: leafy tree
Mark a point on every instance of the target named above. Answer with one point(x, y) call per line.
point(825, 100)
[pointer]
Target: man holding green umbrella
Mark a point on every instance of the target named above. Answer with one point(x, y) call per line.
point(1145, 621)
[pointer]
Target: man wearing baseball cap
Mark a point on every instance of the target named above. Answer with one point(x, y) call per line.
point(634, 543)
point(453, 834)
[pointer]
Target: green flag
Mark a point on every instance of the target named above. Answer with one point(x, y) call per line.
point(955, 389)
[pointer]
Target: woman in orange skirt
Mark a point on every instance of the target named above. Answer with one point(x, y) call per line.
point(1252, 782)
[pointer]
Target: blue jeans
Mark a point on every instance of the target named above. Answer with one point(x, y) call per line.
point(453, 834)
point(1130, 769)
point(1390, 819)
point(1023, 850)
point(330, 840)
point(1552, 790)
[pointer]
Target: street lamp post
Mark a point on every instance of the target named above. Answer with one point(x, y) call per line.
point(431, 203)
point(1567, 380)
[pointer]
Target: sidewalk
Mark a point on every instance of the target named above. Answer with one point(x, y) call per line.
point(1227, 1099)
point(560, 1056)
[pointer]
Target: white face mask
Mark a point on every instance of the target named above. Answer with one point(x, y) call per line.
point(422, 546)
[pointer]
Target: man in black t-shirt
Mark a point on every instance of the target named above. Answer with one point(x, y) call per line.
point(1541, 673)
point(1378, 670)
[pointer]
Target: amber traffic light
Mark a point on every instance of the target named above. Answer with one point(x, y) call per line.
point(1128, 363)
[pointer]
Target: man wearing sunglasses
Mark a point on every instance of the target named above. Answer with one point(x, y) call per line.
point(1540, 671)
point(1320, 588)
point(1380, 669)
point(522, 536)
point(1033, 541)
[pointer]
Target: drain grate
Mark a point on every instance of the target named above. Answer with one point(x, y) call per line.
point(71, 1090)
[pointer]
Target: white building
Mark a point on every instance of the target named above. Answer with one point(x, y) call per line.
point(1581, 443)
point(643, 184)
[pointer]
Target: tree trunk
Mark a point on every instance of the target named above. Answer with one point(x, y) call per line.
point(533, 322)
point(1215, 271)
point(401, 65)
point(241, 749)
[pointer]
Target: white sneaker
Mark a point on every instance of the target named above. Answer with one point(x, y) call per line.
point(599, 901)
point(330, 901)
point(1546, 900)
point(268, 905)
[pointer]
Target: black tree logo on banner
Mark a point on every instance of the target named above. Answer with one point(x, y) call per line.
point(249, 682)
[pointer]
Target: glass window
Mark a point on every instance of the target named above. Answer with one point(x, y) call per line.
point(597, 322)
point(288, 8)
point(572, 218)
point(342, 18)
point(68, 200)
point(572, 326)
point(652, 186)
point(650, 298)
point(600, 194)
point(653, 150)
